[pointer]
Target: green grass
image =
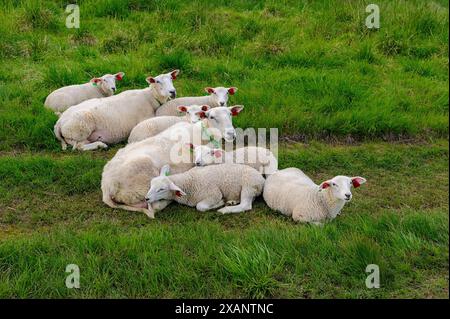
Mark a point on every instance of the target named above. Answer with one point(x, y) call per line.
point(311, 69)
point(53, 216)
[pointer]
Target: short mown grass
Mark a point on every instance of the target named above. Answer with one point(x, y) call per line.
point(363, 102)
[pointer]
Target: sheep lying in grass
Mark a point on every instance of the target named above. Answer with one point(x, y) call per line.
point(98, 122)
point(126, 177)
point(294, 194)
point(218, 97)
point(156, 125)
point(65, 97)
point(209, 187)
point(259, 158)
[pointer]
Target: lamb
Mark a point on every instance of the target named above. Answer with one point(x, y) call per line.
point(259, 158)
point(209, 187)
point(292, 193)
point(126, 177)
point(96, 123)
point(156, 125)
point(63, 98)
point(218, 97)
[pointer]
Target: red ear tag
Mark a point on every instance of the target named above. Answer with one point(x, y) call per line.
point(325, 185)
point(355, 183)
point(178, 193)
point(231, 91)
point(119, 77)
point(202, 115)
point(173, 75)
point(234, 113)
point(205, 108)
point(183, 109)
point(210, 90)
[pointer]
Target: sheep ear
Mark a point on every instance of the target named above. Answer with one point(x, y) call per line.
point(178, 191)
point(325, 185)
point(217, 153)
point(201, 114)
point(182, 108)
point(174, 74)
point(96, 81)
point(209, 90)
point(165, 170)
point(119, 76)
point(205, 107)
point(357, 181)
point(150, 80)
point(232, 90)
point(236, 109)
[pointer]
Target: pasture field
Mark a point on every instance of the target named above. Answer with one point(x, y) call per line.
point(347, 100)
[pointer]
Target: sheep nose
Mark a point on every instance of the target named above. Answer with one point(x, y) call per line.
point(147, 199)
point(348, 196)
point(222, 103)
point(197, 163)
point(114, 89)
point(173, 93)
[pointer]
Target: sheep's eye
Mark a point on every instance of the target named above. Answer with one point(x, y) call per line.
point(212, 118)
point(159, 82)
point(334, 184)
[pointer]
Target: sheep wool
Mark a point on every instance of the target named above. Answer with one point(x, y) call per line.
point(106, 120)
point(126, 177)
point(65, 97)
point(212, 186)
point(218, 97)
point(260, 158)
point(294, 194)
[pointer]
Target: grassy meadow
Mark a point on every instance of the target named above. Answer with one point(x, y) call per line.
point(347, 100)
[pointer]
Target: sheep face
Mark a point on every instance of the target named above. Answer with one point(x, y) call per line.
point(163, 84)
point(220, 94)
point(107, 83)
point(340, 186)
point(162, 188)
point(193, 111)
point(220, 122)
point(205, 155)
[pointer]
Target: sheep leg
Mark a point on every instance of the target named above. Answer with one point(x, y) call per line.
point(86, 146)
point(247, 196)
point(210, 203)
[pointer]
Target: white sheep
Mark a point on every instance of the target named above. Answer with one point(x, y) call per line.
point(65, 97)
point(259, 158)
point(98, 122)
point(217, 97)
point(292, 193)
point(209, 187)
point(126, 177)
point(156, 125)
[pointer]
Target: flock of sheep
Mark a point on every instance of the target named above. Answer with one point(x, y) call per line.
point(174, 152)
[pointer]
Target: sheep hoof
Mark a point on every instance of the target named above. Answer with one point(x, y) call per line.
point(232, 203)
point(223, 210)
point(150, 214)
